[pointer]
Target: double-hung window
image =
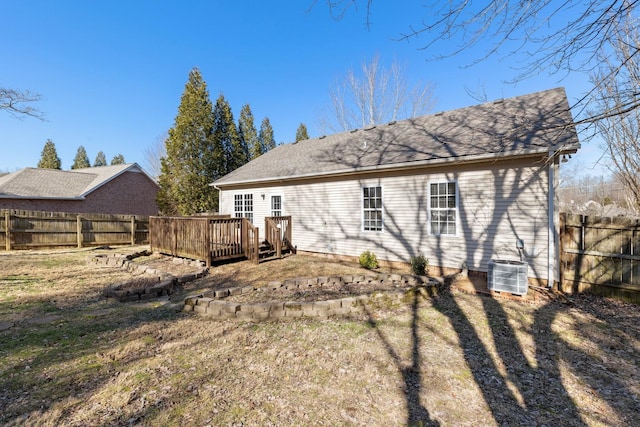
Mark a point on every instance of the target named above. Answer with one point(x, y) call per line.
point(372, 208)
point(243, 206)
point(443, 208)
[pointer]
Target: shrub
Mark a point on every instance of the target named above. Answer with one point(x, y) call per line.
point(368, 260)
point(419, 265)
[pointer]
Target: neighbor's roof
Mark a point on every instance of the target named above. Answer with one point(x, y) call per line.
point(36, 183)
point(524, 125)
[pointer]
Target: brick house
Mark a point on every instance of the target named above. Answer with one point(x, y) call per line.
point(119, 189)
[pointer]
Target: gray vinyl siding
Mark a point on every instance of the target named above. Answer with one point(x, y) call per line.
point(498, 203)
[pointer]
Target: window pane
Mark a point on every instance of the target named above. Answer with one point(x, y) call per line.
point(372, 208)
point(442, 207)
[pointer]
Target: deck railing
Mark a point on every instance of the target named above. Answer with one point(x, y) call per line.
point(251, 250)
point(273, 235)
point(214, 238)
point(278, 233)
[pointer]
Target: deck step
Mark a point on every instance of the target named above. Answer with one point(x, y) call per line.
point(271, 258)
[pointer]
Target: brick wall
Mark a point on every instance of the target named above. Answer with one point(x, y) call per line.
point(131, 193)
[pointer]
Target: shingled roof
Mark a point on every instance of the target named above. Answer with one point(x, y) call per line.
point(526, 125)
point(36, 183)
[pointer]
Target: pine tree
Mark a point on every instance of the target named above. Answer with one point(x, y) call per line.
point(225, 134)
point(118, 159)
point(248, 133)
point(301, 133)
point(81, 160)
point(194, 158)
point(100, 160)
point(49, 158)
point(265, 136)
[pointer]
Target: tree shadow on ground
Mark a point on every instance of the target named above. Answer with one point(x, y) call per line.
point(417, 413)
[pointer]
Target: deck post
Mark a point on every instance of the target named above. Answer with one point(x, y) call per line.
point(207, 240)
point(279, 241)
point(256, 246)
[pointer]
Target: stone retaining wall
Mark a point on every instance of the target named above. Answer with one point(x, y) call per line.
point(155, 283)
point(400, 290)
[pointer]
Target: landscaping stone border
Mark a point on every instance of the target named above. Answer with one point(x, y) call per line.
point(402, 287)
point(160, 283)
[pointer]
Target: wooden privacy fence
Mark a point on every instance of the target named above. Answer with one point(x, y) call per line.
point(20, 229)
point(217, 238)
point(600, 255)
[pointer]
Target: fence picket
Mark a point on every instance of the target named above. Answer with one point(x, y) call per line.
point(20, 229)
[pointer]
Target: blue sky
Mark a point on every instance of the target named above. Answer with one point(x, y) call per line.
point(111, 73)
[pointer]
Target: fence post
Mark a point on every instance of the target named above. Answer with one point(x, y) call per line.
point(562, 237)
point(79, 230)
point(174, 237)
point(7, 229)
point(133, 230)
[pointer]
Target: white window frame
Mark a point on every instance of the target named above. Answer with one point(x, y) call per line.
point(245, 206)
point(271, 210)
point(445, 209)
point(365, 209)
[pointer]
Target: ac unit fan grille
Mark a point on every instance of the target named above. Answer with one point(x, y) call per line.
point(508, 276)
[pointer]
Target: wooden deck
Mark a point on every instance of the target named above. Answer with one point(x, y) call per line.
point(219, 238)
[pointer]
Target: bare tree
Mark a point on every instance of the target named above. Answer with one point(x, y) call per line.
point(619, 126)
point(375, 95)
point(16, 103)
point(555, 37)
point(153, 154)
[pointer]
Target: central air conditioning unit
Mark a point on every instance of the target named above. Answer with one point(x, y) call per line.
point(508, 276)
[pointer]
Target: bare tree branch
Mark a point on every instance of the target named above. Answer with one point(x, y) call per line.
point(15, 102)
point(557, 37)
point(375, 95)
point(617, 106)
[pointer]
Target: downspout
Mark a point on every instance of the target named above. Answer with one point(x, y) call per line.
point(218, 190)
point(551, 232)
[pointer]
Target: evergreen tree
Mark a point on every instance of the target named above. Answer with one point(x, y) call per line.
point(49, 158)
point(81, 160)
point(225, 134)
point(248, 133)
point(265, 136)
point(301, 133)
point(194, 158)
point(118, 159)
point(100, 160)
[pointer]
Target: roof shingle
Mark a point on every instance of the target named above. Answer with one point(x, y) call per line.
point(531, 123)
point(39, 183)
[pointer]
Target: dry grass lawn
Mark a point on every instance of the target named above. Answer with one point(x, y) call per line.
point(69, 357)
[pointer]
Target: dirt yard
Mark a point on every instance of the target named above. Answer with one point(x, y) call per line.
point(70, 357)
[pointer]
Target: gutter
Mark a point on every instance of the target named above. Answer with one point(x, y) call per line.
point(15, 196)
point(569, 149)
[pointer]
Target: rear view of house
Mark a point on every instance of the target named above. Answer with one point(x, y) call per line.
point(462, 187)
point(119, 189)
